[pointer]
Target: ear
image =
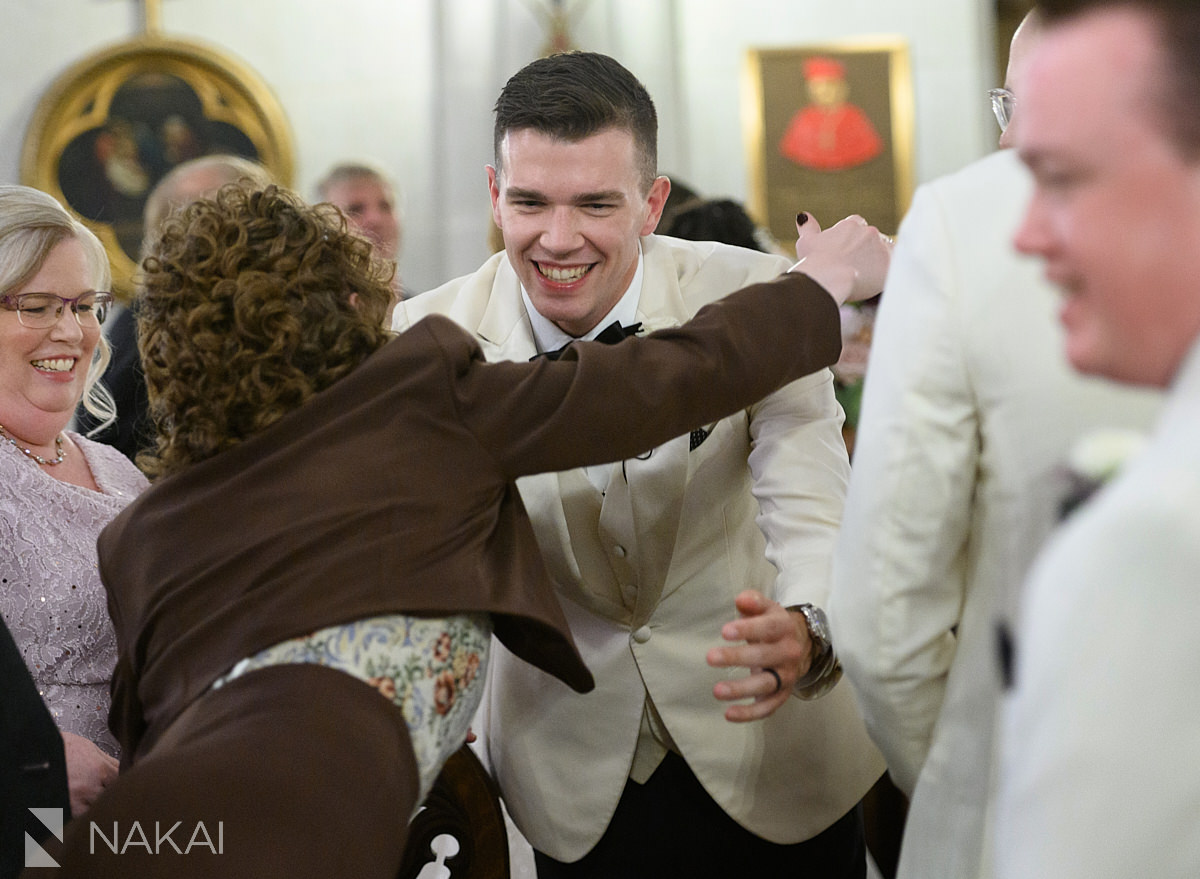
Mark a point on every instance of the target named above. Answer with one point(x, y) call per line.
point(494, 189)
point(656, 200)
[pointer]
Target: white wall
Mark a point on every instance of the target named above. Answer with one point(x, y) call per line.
point(411, 83)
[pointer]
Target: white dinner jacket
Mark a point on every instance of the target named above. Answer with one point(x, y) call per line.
point(969, 412)
point(648, 572)
point(1100, 743)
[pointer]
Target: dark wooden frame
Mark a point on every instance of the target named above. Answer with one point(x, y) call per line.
point(464, 803)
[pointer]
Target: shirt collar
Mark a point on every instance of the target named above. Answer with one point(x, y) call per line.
point(550, 337)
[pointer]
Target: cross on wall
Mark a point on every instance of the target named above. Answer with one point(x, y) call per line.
point(152, 17)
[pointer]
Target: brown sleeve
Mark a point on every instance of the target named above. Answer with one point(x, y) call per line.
point(602, 403)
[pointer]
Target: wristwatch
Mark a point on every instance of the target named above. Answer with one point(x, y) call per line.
point(825, 670)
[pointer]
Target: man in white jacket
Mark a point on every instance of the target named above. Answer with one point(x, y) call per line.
point(969, 412)
point(693, 575)
point(1100, 740)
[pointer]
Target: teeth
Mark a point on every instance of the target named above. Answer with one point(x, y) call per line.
point(565, 275)
point(58, 364)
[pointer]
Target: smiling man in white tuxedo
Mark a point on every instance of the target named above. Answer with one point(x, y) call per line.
point(1100, 741)
point(693, 575)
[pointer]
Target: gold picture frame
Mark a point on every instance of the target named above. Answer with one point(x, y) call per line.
point(115, 122)
point(829, 130)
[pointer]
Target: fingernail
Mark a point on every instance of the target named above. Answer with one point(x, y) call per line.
point(801, 218)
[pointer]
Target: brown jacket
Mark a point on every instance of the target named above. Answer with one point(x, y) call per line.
point(323, 518)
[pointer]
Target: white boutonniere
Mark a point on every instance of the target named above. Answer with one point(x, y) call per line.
point(1095, 459)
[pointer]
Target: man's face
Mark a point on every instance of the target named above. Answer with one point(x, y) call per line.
point(827, 91)
point(370, 206)
point(571, 213)
point(1116, 209)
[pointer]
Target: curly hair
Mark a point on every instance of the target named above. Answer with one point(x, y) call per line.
point(251, 303)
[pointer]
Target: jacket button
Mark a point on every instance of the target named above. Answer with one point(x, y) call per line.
point(641, 634)
point(619, 551)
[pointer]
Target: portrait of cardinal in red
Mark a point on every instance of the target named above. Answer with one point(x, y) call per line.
point(829, 134)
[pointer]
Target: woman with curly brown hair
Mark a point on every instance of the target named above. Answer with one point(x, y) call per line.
point(304, 598)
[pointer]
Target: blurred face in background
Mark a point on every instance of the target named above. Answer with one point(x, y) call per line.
point(370, 205)
point(1025, 39)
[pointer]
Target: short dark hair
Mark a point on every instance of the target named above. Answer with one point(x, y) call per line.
point(1178, 25)
point(573, 95)
point(718, 219)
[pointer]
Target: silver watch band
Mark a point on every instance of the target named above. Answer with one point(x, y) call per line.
point(825, 670)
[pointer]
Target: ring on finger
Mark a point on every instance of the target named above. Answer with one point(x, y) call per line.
point(778, 680)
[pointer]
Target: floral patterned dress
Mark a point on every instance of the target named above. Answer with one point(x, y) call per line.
point(431, 668)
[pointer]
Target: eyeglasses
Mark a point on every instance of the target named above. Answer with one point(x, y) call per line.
point(1003, 102)
point(38, 311)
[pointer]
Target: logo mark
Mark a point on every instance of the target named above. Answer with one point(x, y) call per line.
point(35, 855)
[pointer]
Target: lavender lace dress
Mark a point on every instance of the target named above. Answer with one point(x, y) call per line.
point(50, 591)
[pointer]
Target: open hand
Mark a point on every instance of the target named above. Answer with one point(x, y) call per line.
point(775, 639)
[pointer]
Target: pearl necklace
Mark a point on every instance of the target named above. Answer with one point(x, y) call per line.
point(29, 453)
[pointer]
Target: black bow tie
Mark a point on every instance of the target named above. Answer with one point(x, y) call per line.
point(610, 335)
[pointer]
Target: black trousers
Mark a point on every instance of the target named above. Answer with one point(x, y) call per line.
point(670, 827)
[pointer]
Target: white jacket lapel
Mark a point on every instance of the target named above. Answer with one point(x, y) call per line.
point(644, 499)
point(504, 330)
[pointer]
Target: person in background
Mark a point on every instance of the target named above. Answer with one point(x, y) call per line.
point(680, 197)
point(131, 433)
point(57, 488)
point(1004, 100)
point(367, 196)
point(1099, 732)
point(718, 219)
point(692, 573)
point(956, 483)
point(303, 599)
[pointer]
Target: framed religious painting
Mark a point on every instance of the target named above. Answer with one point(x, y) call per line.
point(111, 126)
point(829, 130)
